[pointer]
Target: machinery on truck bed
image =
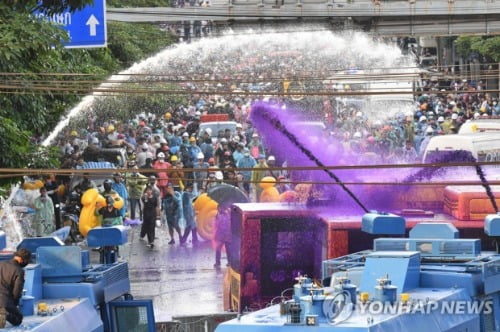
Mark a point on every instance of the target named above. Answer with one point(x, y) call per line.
point(65, 292)
point(429, 281)
point(273, 242)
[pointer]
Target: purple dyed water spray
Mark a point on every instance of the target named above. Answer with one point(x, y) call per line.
point(277, 124)
point(455, 156)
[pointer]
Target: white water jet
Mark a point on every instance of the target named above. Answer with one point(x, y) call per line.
point(251, 55)
point(9, 221)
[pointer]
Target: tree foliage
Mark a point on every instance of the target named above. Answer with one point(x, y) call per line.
point(46, 6)
point(487, 46)
point(42, 80)
point(131, 42)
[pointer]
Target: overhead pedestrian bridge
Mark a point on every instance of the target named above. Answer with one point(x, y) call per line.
point(380, 17)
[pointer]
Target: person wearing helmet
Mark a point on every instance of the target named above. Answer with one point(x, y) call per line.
point(168, 116)
point(239, 152)
point(194, 150)
point(110, 215)
point(108, 188)
point(111, 128)
point(189, 215)
point(222, 148)
point(227, 161)
point(143, 154)
point(136, 183)
point(255, 146)
point(119, 187)
point(194, 126)
point(171, 207)
point(175, 174)
point(200, 174)
point(43, 220)
point(207, 146)
point(429, 133)
point(162, 166)
point(248, 162)
point(150, 215)
point(258, 173)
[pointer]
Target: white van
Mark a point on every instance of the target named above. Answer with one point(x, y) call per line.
point(483, 146)
point(479, 126)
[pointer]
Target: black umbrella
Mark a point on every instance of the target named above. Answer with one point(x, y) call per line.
point(225, 194)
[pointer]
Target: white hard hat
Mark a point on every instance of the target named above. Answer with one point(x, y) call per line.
point(185, 134)
point(429, 130)
point(422, 118)
point(219, 175)
point(359, 114)
point(357, 134)
point(209, 131)
point(95, 140)
point(223, 140)
point(200, 155)
point(161, 155)
point(441, 119)
point(144, 146)
point(454, 116)
point(476, 115)
point(239, 125)
point(271, 158)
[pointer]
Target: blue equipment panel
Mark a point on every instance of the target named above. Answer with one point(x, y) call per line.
point(33, 280)
point(429, 247)
point(403, 268)
point(492, 224)
point(33, 243)
point(107, 236)
point(271, 320)
point(74, 315)
point(383, 223)
point(3, 240)
point(434, 231)
point(101, 284)
point(63, 264)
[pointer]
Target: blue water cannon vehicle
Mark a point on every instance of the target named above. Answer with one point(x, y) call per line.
point(431, 280)
point(65, 291)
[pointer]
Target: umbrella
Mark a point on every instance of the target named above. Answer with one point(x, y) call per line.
point(225, 194)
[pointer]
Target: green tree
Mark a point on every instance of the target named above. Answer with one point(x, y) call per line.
point(42, 80)
point(487, 46)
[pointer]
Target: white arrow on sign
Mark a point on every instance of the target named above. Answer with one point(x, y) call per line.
point(92, 22)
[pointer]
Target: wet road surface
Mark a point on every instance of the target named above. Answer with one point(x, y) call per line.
point(181, 280)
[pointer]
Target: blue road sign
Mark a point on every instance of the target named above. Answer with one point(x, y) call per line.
point(86, 27)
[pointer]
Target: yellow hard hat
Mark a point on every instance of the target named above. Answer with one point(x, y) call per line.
point(174, 158)
point(168, 116)
point(111, 128)
point(192, 139)
point(73, 133)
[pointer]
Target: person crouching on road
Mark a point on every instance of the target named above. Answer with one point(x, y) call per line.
point(11, 287)
point(110, 215)
point(151, 212)
point(172, 207)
